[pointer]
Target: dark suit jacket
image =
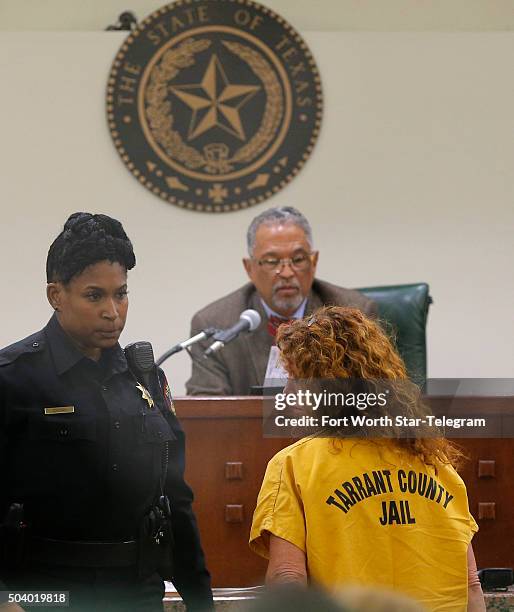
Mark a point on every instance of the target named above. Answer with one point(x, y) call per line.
point(242, 363)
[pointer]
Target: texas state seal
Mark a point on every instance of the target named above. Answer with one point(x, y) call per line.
point(214, 105)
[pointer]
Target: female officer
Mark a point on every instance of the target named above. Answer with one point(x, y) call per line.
point(88, 455)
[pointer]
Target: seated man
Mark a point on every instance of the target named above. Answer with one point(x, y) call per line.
point(281, 266)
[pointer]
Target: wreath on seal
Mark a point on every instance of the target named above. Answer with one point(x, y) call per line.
point(158, 109)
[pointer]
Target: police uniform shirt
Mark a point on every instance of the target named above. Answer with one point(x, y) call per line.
point(82, 449)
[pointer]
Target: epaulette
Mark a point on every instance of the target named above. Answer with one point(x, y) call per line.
point(32, 344)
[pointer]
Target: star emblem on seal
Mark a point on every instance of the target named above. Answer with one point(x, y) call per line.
point(215, 102)
point(214, 106)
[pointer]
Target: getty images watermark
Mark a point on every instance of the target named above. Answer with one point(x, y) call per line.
point(456, 408)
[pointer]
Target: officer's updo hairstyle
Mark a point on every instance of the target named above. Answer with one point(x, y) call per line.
point(85, 240)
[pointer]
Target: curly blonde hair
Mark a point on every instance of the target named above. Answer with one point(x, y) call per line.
point(342, 343)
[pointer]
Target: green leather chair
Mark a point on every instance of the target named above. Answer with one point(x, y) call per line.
point(404, 311)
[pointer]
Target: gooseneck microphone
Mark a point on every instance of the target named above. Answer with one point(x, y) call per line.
point(249, 321)
point(204, 334)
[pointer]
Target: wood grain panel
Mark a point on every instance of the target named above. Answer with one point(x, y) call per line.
point(225, 432)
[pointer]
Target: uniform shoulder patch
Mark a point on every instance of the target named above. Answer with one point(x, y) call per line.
point(168, 398)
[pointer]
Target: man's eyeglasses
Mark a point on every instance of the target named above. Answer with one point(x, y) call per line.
point(298, 263)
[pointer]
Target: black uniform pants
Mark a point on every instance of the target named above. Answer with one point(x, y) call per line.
point(94, 590)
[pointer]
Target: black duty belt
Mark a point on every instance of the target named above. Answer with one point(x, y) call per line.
point(83, 554)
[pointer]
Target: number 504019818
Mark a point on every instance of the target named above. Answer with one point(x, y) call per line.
point(36, 598)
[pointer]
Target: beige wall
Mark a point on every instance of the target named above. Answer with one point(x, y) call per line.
point(319, 15)
point(411, 180)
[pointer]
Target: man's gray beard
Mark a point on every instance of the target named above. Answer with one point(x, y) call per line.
point(286, 304)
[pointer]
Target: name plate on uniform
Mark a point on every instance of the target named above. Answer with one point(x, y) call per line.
point(60, 410)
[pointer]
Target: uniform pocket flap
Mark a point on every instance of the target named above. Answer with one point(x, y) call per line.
point(61, 428)
point(155, 428)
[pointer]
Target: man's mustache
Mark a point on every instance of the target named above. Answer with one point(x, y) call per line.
point(291, 284)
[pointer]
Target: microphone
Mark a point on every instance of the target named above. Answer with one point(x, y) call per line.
point(249, 320)
point(205, 333)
